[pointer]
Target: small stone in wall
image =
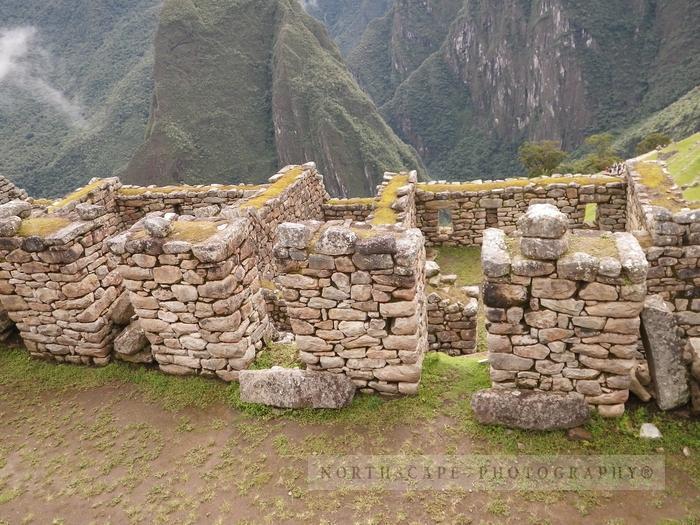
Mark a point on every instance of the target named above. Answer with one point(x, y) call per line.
point(431, 269)
point(158, 226)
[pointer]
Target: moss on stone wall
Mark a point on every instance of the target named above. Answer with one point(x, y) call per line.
point(510, 183)
point(384, 213)
point(76, 195)
point(275, 189)
point(42, 226)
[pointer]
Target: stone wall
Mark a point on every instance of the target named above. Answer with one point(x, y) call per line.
point(356, 301)
point(669, 230)
point(473, 207)
point(563, 308)
point(296, 193)
point(196, 292)
point(452, 323)
point(10, 192)
point(353, 209)
point(203, 201)
point(55, 283)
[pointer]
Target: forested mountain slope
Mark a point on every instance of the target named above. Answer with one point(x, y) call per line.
point(244, 86)
point(467, 81)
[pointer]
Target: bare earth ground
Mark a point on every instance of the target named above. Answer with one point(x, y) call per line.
point(123, 445)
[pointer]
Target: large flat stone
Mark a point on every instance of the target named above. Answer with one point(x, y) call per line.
point(664, 348)
point(530, 410)
point(292, 388)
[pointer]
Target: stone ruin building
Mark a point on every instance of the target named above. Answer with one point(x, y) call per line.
point(197, 279)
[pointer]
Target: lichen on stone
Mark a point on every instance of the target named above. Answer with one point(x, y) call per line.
point(42, 226)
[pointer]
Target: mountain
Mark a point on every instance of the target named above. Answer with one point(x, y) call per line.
point(466, 82)
point(246, 85)
point(181, 90)
point(75, 85)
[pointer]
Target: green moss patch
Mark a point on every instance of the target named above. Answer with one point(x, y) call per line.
point(284, 355)
point(510, 183)
point(76, 195)
point(657, 183)
point(42, 226)
point(275, 189)
point(193, 231)
point(595, 244)
point(462, 261)
point(683, 160)
point(384, 214)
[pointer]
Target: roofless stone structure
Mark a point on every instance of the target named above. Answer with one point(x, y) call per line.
point(197, 279)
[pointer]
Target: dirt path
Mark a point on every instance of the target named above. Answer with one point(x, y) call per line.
point(105, 455)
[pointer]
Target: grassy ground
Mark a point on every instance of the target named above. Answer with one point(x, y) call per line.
point(683, 160)
point(123, 444)
point(462, 261)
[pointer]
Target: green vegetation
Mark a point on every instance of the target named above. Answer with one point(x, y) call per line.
point(193, 231)
point(383, 212)
point(42, 226)
point(601, 154)
point(462, 261)
point(99, 55)
point(275, 189)
point(651, 142)
point(276, 354)
point(540, 158)
point(683, 160)
point(229, 75)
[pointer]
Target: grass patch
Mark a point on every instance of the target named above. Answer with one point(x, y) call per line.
point(193, 231)
point(42, 226)
point(462, 261)
point(683, 160)
point(653, 178)
point(284, 355)
point(76, 195)
point(591, 213)
point(597, 245)
point(275, 189)
point(597, 180)
point(384, 214)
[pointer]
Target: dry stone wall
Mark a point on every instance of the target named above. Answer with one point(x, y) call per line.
point(10, 192)
point(56, 285)
point(196, 292)
point(356, 301)
point(452, 323)
point(353, 209)
point(669, 229)
point(563, 309)
point(473, 207)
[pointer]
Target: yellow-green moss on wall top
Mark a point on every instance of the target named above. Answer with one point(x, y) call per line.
point(193, 231)
point(275, 189)
point(597, 180)
point(76, 195)
point(384, 214)
point(350, 202)
point(42, 226)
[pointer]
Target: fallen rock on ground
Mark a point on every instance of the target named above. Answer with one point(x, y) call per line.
point(649, 431)
point(530, 410)
point(293, 388)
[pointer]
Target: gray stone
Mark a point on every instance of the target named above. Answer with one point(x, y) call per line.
point(544, 221)
point(158, 226)
point(634, 262)
point(9, 226)
point(336, 240)
point(564, 306)
point(131, 340)
point(578, 267)
point(664, 352)
point(292, 388)
point(530, 410)
point(553, 288)
point(15, 208)
point(545, 249)
point(649, 431)
point(509, 362)
point(431, 269)
point(293, 235)
point(531, 267)
point(89, 212)
point(495, 260)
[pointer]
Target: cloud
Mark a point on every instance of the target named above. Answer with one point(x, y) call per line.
point(22, 65)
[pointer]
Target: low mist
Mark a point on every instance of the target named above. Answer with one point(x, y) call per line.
point(23, 62)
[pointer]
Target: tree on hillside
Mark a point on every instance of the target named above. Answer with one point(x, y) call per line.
point(602, 154)
point(541, 158)
point(651, 142)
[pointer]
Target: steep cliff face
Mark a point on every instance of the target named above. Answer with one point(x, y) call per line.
point(245, 86)
point(460, 80)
